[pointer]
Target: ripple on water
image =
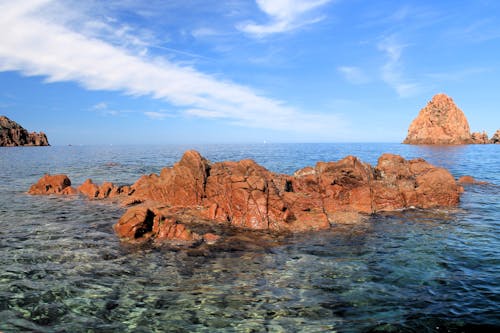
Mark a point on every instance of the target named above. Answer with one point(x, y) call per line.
point(63, 270)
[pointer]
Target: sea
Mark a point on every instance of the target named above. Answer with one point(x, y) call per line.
point(62, 268)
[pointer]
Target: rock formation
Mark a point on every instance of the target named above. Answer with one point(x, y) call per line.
point(439, 122)
point(244, 194)
point(469, 180)
point(496, 137)
point(479, 138)
point(13, 134)
point(52, 184)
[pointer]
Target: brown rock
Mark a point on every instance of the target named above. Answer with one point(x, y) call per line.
point(13, 134)
point(440, 122)
point(469, 180)
point(210, 238)
point(69, 191)
point(183, 184)
point(246, 195)
point(106, 190)
point(479, 138)
point(169, 229)
point(52, 184)
point(141, 224)
point(437, 188)
point(137, 222)
point(89, 189)
point(496, 137)
point(243, 194)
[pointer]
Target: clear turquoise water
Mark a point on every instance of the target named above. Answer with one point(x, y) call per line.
point(63, 270)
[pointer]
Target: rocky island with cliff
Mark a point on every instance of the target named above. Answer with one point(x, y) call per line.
point(12, 134)
point(441, 122)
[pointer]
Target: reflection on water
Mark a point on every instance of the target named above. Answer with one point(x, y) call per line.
point(63, 270)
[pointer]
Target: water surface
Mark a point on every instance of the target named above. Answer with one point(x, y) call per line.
point(63, 270)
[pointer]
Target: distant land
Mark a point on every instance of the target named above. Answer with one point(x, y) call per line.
point(441, 122)
point(12, 134)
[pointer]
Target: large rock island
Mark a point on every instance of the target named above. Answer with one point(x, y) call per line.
point(441, 122)
point(245, 195)
point(13, 134)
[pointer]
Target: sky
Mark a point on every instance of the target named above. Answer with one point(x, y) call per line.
point(244, 71)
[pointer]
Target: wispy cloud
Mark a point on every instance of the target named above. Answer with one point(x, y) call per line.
point(483, 30)
point(392, 71)
point(100, 106)
point(37, 45)
point(156, 115)
point(354, 75)
point(204, 113)
point(104, 109)
point(285, 15)
point(204, 32)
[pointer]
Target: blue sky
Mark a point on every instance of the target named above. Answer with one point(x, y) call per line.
point(198, 71)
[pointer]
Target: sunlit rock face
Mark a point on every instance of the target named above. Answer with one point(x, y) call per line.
point(245, 195)
point(13, 134)
point(439, 122)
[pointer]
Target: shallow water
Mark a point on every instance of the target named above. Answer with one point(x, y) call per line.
point(63, 270)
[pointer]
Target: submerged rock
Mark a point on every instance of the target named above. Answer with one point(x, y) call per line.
point(13, 134)
point(245, 195)
point(469, 180)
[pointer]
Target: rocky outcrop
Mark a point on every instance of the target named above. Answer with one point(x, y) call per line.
point(13, 134)
point(61, 184)
point(479, 138)
point(142, 223)
point(439, 122)
point(105, 190)
point(496, 137)
point(469, 180)
point(245, 195)
point(52, 184)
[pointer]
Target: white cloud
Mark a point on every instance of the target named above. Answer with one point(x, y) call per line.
point(38, 45)
point(204, 113)
point(285, 15)
point(392, 70)
point(156, 115)
point(354, 75)
point(103, 108)
point(100, 106)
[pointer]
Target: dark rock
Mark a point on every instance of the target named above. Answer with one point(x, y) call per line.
point(13, 134)
point(496, 137)
point(479, 138)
